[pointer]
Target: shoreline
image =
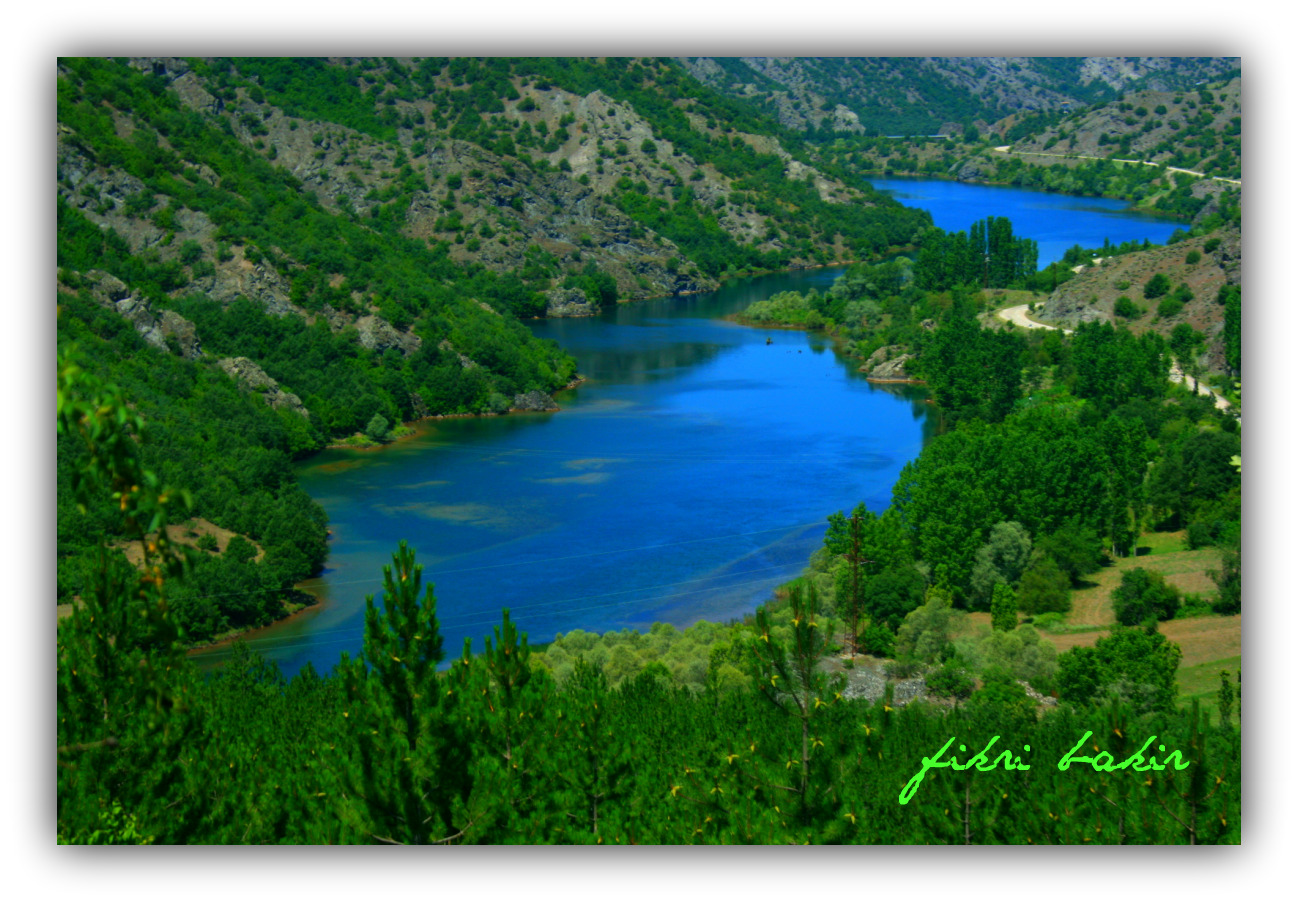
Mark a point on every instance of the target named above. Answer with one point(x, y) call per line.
point(413, 424)
point(228, 640)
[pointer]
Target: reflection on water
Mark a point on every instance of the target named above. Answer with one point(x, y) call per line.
point(687, 478)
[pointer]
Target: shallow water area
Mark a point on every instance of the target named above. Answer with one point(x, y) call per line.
point(685, 479)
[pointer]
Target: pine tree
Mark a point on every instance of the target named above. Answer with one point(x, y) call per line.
point(123, 690)
point(413, 776)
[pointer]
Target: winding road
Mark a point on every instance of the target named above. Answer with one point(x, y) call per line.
point(1005, 149)
point(1019, 317)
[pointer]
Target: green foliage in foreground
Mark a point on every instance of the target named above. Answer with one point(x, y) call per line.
point(248, 485)
point(391, 749)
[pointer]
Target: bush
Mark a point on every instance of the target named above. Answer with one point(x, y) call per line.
point(1126, 308)
point(1157, 286)
point(1229, 582)
point(1169, 307)
point(1143, 595)
point(1005, 606)
point(377, 430)
point(1077, 550)
point(1044, 587)
point(878, 640)
point(1131, 663)
point(950, 680)
point(926, 633)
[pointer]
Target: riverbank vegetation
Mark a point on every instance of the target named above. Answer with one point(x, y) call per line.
point(260, 257)
point(388, 748)
point(1173, 153)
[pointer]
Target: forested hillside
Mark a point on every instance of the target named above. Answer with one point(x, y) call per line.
point(389, 749)
point(873, 96)
point(336, 246)
point(259, 257)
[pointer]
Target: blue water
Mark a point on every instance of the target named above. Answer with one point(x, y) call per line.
point(1054, 221)
point(684, 480)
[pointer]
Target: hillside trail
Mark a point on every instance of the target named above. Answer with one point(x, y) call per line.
point(1006, 149)
point(1019, 317)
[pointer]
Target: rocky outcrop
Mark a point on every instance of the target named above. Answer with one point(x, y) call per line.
point(168, 332)
point(465, 361)
point(377, 334)
point(251, 377)
point(534, 401)
point(175, 327)
point(568, 302)
point(888, 365)
point(241, 277)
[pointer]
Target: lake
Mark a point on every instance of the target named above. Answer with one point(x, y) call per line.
point(687, 477)
point(1055, 222)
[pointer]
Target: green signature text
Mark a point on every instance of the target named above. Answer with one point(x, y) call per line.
point(1100, 762)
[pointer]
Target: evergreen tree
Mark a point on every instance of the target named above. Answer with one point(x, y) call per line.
point(413, 777)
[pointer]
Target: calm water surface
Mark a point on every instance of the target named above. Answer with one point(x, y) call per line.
point(1054, 221)
point(684, 480)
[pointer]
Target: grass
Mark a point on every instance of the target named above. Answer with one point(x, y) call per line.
point(1188, 571)
point(1201, 681)
point(1161, 543)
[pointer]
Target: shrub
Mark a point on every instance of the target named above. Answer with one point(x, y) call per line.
point(1143, 595)
point(377, 430)
point(1004, 608)
point(1126, 308)
point(877, 640)
point(1131, 663)
point(950, 680)
point(1044, 587)
point(1169, 307)
point(1157, 286)
point(1077, 550)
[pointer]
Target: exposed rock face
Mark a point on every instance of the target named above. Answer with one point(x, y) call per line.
point(568, 302)
point(336, 319)
point(377, 334)
point(257, 282)
point(253, 378)
point(887, 365)
point(111, 292)
point(534, 400)
point(175, 326)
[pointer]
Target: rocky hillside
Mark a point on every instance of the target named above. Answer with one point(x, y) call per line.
point(419, 208)
point(1197, 267)
point(1197, 130)
point(928, 95)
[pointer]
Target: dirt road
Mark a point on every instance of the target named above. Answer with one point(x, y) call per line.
point(1019, 317)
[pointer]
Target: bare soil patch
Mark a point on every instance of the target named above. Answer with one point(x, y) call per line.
point(187, 533)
